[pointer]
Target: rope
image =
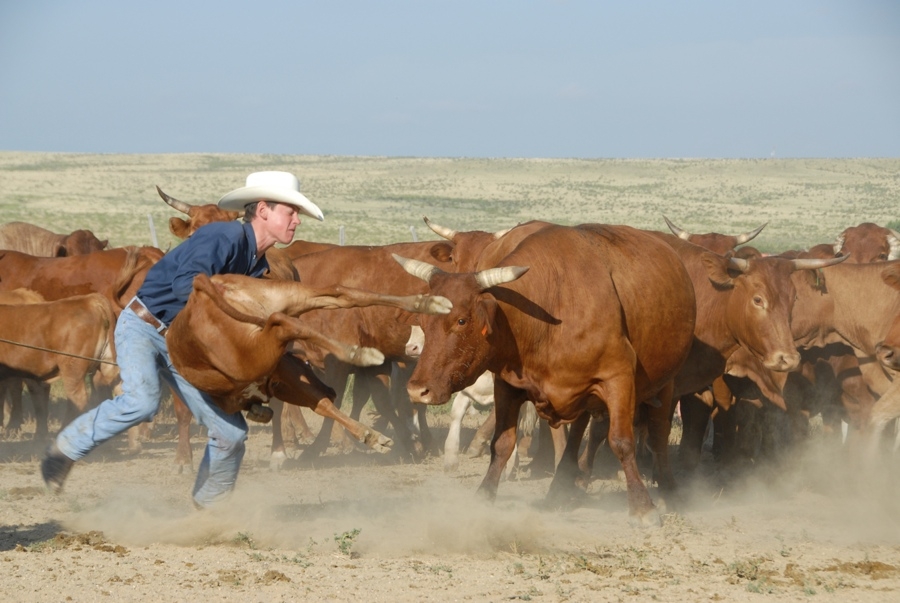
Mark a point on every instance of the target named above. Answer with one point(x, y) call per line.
point(34, 347)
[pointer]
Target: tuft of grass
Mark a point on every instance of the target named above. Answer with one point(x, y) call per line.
point(346, 541)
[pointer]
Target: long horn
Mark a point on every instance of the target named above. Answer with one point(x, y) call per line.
point(422, 270)
point(681, 234)
point(497, 276)
point(439, 230)
point(174, 203)
point(812, 264)
point(747, 236)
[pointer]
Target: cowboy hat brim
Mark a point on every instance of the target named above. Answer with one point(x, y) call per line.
point(239, 198)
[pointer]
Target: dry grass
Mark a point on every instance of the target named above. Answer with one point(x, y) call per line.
point(377, 199)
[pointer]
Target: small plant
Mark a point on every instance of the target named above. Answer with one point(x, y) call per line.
point(346, 541)
point(244, 538)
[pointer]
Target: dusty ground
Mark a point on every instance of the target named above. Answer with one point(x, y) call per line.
point(367, 527)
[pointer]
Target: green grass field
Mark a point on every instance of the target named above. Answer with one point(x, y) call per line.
point(377, 200)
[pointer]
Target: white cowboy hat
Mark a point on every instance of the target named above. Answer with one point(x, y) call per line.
point(282, 187)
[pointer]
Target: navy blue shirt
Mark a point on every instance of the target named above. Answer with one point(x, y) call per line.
point(217, 248)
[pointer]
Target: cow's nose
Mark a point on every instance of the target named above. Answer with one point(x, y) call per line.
point(783, 361)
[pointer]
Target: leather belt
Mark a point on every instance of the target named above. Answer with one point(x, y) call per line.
point(144, 314)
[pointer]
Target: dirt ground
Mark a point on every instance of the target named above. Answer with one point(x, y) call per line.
point(369, 527)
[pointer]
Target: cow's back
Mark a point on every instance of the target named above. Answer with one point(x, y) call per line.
point(593, 291)
point(30, 239)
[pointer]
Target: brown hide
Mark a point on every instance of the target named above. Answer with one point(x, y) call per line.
point(117, 273)
point(81, 325)
point(868, 242)
point(580, 332)
point(40, 242)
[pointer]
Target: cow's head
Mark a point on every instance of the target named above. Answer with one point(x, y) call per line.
point(715, 242)
point(888, 351)
point(198, 215)
point(868, 243)
point(458, 345)
point(80, 242)
point(760, 304)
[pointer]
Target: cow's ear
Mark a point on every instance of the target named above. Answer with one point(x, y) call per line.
point(485, 313)
point(180, 228)
point(442, 251)
point(60, 251)
point(717, 269)
point(891, 275)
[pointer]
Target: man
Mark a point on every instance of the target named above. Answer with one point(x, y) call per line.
point(271, 202)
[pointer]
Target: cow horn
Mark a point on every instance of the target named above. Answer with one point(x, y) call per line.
point(747, 236)
point(497, 276)
point(681, 234)
point(173, 202)
point(894, 243)
point(814, 264)
point(739, 264)
point(422, 270)
point(441, 231)
point(838, 244)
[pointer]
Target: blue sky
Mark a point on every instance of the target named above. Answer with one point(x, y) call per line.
point(541, 78)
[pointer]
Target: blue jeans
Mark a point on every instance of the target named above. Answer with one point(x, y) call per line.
point(143, 360)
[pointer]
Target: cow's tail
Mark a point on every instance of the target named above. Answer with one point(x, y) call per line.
point(203, 284)
point(135, 263)
point(108, 367)
point(527, 419)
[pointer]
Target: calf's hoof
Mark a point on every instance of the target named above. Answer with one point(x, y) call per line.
point(259, 413)
point(377, 441)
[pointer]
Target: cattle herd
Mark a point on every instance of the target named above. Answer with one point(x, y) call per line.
point(606, 331)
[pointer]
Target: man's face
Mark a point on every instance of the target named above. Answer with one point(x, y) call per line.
point(281, 222)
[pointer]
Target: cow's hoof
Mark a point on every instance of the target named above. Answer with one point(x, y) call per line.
point(259, 413)
point(362, 356)
point(277, 460)
point(451, 466)
point(648, 519)
point(378, 442)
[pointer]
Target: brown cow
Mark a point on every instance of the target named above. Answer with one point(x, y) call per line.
point(117, 273)
point(79, 327)
point(579, 333)
point(11, 388)
point(715, 242)
point(34, 240)
point(234, 331)
point(868, 242)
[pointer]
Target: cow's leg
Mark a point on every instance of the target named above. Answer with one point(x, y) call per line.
point(278, 454)
point(336, 374)
point(381, 398)
point(660, 424)
point(483, 435)
point(76, 390)
point(39, 392)
point(695, 414)
point(562, 489)
point(184, 455)
point(507, 402)
point(294, 384)
point(598, 432)
point(461, 404)
point(11, 391)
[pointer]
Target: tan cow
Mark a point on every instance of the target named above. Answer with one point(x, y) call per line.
point(78, 329)
point(38, 241)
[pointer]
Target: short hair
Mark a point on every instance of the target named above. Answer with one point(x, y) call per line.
point(250, 210)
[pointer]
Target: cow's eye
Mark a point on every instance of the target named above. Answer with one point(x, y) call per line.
point(461, 322)
point(757, 300)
